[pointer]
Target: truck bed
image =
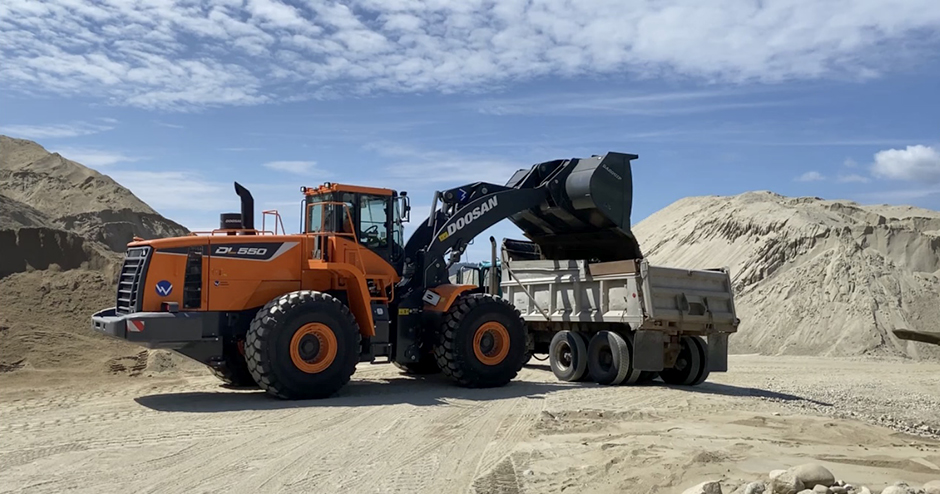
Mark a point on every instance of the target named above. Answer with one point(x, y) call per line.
point(644, 296)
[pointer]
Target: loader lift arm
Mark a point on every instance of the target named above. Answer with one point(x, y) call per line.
point(554, 203)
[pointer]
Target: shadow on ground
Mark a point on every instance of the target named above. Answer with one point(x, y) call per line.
point(417, 391)
point(420, 391)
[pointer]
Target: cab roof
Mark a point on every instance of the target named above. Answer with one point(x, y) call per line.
point(329, 187)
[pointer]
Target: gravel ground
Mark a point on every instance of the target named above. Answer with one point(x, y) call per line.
point(899, 394)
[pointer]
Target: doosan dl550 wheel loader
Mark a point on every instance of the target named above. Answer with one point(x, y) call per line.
point(294, 314)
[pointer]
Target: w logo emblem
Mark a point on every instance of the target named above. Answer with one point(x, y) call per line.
point(164, 288)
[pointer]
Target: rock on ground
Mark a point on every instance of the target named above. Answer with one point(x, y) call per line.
point(707, 487)
point(813, 474)
point(786, 483)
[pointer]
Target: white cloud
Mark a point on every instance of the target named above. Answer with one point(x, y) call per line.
point(95, 157)
point(185, 54)
point(168, 125)
point(812, 176)
point(297, 167)
point(853, 177)
point(630, 103)
point(849, 163)
point(53, 131)
point(916, 163)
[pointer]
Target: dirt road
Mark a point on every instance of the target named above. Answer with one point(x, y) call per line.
point(387, 432)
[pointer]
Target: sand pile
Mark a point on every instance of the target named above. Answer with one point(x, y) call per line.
point(76, 198)
point(812, 277)
point(63, 230)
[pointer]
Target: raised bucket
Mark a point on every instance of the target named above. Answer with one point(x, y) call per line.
point(587, 214)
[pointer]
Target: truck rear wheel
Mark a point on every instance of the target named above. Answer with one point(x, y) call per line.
point(568, 356)
point(691, 365)
point(303, 345)
point(703, 358)
point(610, 359)
point(482, 343)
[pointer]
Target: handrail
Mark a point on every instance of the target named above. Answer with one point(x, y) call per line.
point(227, 231)
point(277, 220)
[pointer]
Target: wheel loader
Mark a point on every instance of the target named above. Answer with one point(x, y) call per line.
point(295, 313)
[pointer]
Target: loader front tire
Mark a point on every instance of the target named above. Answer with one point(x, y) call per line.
point(482, 343)
point(303, 345)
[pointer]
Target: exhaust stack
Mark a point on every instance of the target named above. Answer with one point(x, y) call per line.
point(248, 207)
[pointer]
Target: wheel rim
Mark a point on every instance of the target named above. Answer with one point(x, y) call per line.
point(563, 355)
point(313, 348)
point(491, 343)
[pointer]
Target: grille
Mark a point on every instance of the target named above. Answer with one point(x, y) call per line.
point(133, 273)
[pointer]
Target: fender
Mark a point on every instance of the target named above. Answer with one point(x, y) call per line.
point(442, 297)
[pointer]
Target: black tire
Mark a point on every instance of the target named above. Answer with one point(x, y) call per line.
point(647, 377)
point(609, 358)
point(233, 368)
point(703, 359)
point(457, 353)
point(530, 348)
point(279, 344)
point(688, 365)
point(426, 365)
point(568, 356)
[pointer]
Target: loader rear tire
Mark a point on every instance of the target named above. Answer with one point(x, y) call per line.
point(482, 343)
point(303, 345)
point(233, 368)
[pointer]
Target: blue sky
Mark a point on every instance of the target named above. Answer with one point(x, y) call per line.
point(175, 99)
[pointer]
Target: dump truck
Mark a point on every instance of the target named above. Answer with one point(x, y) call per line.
point(295, 313)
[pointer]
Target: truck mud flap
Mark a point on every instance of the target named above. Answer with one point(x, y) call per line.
point(648, 352)
point(718, 352)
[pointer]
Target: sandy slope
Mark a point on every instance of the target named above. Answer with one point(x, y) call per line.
point(76, 198)
point(391, 433)
point(811, 277)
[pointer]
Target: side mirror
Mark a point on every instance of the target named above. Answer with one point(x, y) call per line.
point(405, 207)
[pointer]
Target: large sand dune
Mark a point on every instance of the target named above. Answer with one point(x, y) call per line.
point(811, 276)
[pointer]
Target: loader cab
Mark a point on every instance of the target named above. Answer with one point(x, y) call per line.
point(372, 217)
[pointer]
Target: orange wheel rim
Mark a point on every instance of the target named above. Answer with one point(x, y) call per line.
point(313, 348)
point(491, 343)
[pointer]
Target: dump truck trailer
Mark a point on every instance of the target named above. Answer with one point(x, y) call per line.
point(660, 320)
point(294, 314)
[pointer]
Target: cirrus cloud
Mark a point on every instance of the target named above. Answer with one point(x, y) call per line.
point(185, 54)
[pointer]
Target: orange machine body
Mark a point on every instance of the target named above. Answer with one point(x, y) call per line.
point(238, 270)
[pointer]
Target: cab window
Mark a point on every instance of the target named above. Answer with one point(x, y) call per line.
point(373, 221)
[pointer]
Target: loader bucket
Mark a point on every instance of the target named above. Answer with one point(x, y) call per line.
point(587, 214)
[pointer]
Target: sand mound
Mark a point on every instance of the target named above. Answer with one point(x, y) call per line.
point(77, 198)
point(45, 325)
point(812, 277)
point(15, 214)
point(38, 248)
point(63, 228)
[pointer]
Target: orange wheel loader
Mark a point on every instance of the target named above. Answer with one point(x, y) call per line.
point(294, 314)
